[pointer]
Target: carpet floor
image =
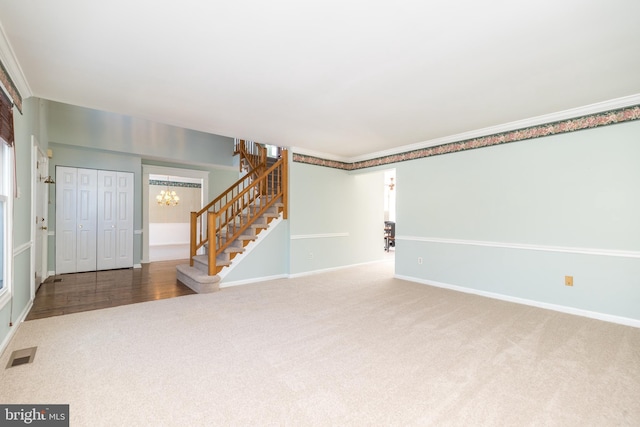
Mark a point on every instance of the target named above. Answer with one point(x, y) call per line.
point(348, 347)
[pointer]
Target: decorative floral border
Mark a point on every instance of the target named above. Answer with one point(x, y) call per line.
point(586, 122)
point(174, 184)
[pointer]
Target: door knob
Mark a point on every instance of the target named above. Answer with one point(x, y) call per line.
point(44, 227)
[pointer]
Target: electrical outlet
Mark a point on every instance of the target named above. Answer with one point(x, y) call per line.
point(568, 280)
point(310, 255)
point(420, 260)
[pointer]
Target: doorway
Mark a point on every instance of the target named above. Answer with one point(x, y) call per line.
point(40, 205)
point(390, 190)
point(171, 200)
point(166, 226)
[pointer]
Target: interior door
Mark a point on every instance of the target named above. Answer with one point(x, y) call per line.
point(115, 220)
point(41, 199)
point(124, 224)
point(66, 224)
point(107, 209)
point(86, 220)
point(94, 220)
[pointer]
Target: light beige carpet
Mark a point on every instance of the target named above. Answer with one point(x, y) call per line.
point(351, 347)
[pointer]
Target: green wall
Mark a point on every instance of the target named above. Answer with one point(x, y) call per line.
point(337, 218)
point(220, 178)
point(513, 220)
point(86, 138)
point(83, 157)
point(30, 122)
point(89, 128)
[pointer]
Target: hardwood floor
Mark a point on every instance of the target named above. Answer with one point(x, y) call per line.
point(73, 293)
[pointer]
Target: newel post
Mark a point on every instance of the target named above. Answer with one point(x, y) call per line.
point(193, 239)
point(211, 232)
point(285, 183)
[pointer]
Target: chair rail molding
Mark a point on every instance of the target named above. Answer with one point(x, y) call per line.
point(525, 246)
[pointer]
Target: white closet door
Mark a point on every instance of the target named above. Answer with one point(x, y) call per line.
point(124, 220)
point(107, 209)
point(115, 220)
point(94, 220)
point(66, 212)
point(87, 220)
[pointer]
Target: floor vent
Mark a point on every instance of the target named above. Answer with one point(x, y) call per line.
point(57, 280)
point(22, 357)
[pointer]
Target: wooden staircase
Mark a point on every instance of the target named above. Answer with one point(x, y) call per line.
point(223, 229)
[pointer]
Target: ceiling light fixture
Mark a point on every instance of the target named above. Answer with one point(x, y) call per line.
point(167, 197)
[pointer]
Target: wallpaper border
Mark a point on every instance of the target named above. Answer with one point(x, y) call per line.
point(590, 121)
point(165, 183)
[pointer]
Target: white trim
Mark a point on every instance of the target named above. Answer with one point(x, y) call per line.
point(190, 165)
point(179, 172)
point(254, 280)
point(548, 306)
point(318, 236)
point(320, 155)
point(8, 252)
point(249, 248)
point(342, 267)
point(137, 265)
point(599, 107)
point(13, 329)
point(162, 170)
point(11, 64)
point(525, 246)
point(32, 231)
point(22, 248)
point(39, 196)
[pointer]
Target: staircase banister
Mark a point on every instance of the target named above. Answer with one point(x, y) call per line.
point(255, 183)
point(224, 193)
point(246, 200)
point(262, 210)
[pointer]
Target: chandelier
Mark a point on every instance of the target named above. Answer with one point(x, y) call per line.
point(167, 197)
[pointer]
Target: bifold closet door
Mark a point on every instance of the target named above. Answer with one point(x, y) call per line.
point(76, 208)
point(115, 220)
point(94, 220)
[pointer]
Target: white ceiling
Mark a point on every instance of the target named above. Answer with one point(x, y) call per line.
point(346, 79)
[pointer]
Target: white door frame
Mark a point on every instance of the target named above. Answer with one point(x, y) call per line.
point(39, 220)
point(161, 170)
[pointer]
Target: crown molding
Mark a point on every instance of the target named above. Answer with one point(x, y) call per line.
point(618, 110)
point(599, 107)
point(321, 155)
point(12, 66)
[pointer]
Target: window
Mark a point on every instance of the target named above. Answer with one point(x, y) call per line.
point(6, 196)
point(6, 252)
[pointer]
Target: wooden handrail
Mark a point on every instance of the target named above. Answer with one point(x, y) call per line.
point(229, 215)
point(254, 154)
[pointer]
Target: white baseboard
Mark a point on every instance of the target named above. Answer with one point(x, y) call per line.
point(555, 307)
point(342, 267)
point(14, 328)
point(294, 276)
point(255, 280)
point(249, 248)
